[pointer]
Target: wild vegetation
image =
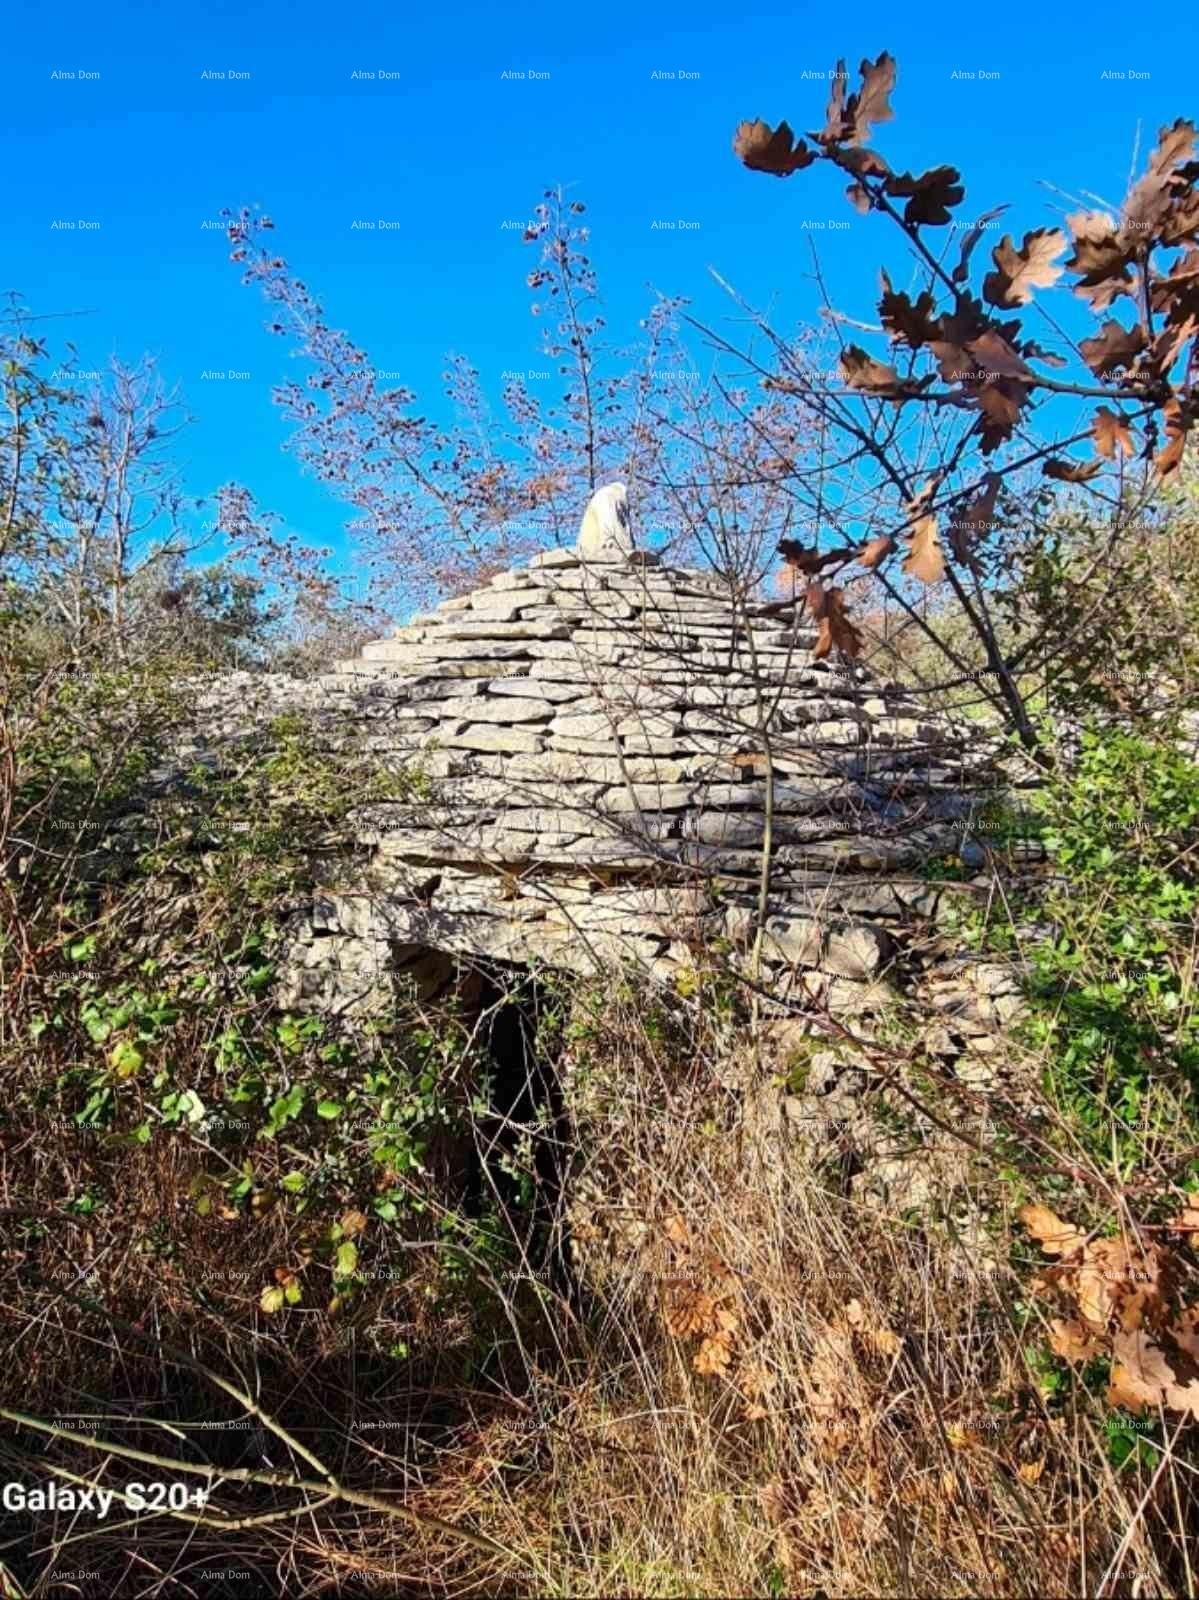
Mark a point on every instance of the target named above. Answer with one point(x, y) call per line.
point(411, 1326)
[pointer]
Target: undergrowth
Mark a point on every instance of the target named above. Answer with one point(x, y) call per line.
point(720, 1361)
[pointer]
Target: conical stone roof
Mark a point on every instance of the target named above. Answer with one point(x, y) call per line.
point(612, 743)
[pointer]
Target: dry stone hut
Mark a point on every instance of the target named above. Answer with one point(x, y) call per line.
point(613, 743)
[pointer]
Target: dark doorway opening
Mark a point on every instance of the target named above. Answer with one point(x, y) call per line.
point(521, 1146)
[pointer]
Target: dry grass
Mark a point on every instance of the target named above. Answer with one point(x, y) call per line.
point(779, 1390)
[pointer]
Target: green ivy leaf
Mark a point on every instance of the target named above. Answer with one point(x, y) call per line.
point(125, 1059)
point(284, 1110)
point(191, 1106)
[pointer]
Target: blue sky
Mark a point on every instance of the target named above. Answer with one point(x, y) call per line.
point(449, 149)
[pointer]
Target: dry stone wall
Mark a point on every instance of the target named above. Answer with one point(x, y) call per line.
point(611, 744)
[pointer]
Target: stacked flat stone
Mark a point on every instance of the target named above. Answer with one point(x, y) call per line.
point(611, 743)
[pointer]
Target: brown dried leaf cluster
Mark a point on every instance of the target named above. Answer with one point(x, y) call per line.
point(858, 1395)
point(842, 1400)
point(987, 360)
point(827, 604)
point(701, 1302)
point(850, 120)
point(1122, 1300)
point(836, 631)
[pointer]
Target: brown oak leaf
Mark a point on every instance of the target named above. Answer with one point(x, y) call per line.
point(862, 371)
point(1034, 352)
point(713, 1356)
point(1181, 221)
point(850, 120)
point(996, 358)
point(755, 1380)
point(1110, 430)
point(865, 163)
point(836, 630)
point(954, 361)
point(858, 196)
point(690, 1310)
point(875, 1332)
point(929, 196)
point(958, 332)
point(1000, 404)
point(1101, 257)
point(1169, 458)
point(909, 322)
point(1112, 349)
point(1096, 247)
point(1018, 272)
point(1174, 146)
point(876, 550)
point(871, 103)
point(774, 150)
point(827, 1377)
point(1178, 292)
point(1144, 210)
point(1150, 1369)
point(1072, 471)
point(922, 500)
point(924, 560)
point(1100, 1281)
point(676, 1230)
point(1056, 1238)
point(1072, 1341)
point(834, 111)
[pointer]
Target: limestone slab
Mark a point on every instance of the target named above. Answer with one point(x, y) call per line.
point(592, 725)
point(488, 736)
point(543, 687)
point(649, 797)
point(450, 648)
point(501, 631)
point(502, 709)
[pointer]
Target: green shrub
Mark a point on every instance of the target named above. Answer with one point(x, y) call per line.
point(1113, 985)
